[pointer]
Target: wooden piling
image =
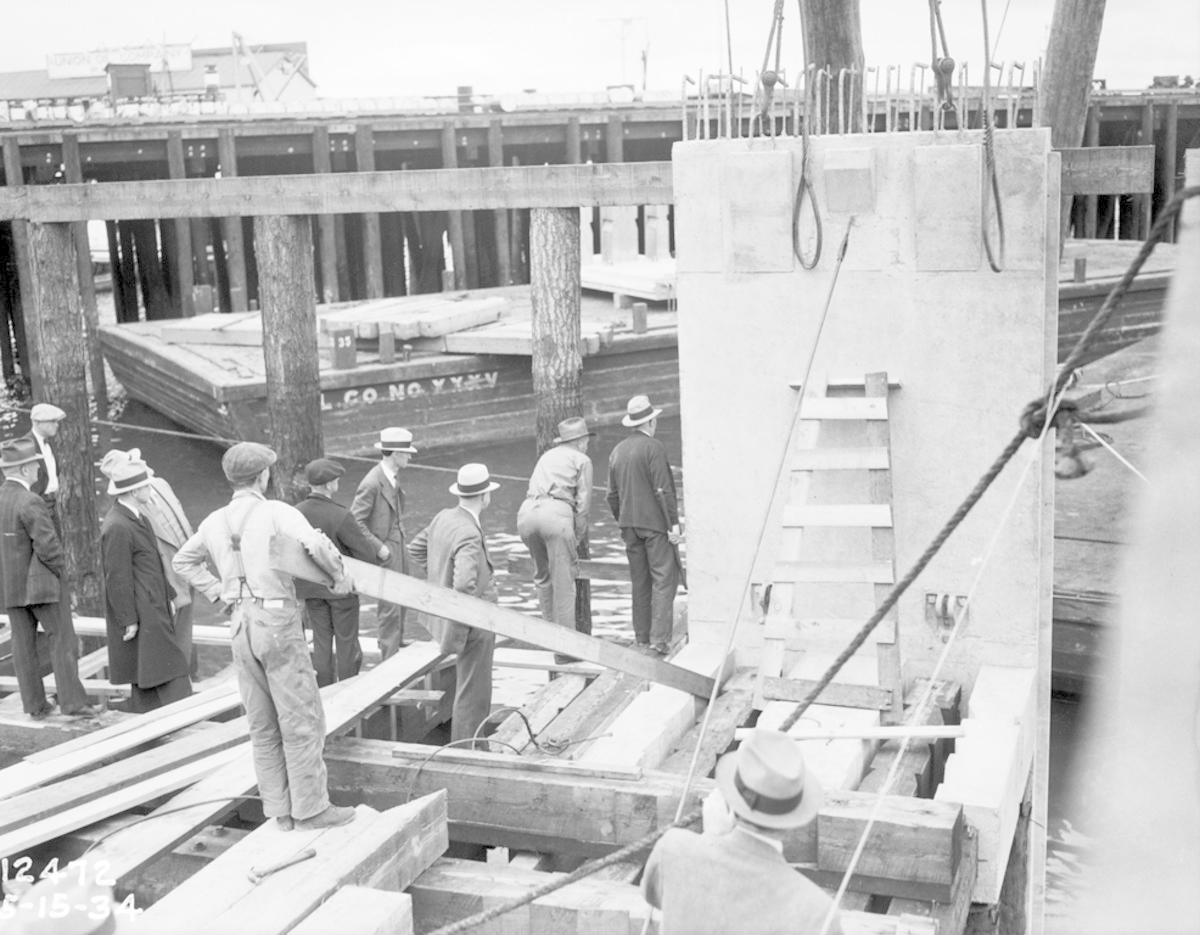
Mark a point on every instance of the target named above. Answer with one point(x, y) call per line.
point(149, 269)
point(15, 175)
point(364, 154)
point(1145, 202)
point(7, 361)
point(326, 226)
point(457, 236)
point(73, 168)
point(1091, 138)
point(283, 247)
point(519, 241)
point(1170, 147)
point(55, 329)
point(235, 245)
point(129, 271)
point(500, 215)
point(182, 273)
point(557, 345)
point(340, 161)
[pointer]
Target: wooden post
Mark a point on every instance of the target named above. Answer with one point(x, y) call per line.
point(55, 328)
point(201, 229)
point(364, 154)
point(340, 161)
point(1091, 137)
point(457, 242)
point(1067, 79)
point(326, 227)
point(15, 175)
point(500, 215)
point(149, 268)
point(7, 361)
point(235, 245)
point(574, 154)
point(1145, 203)
point(557, 345)
point(283, 247)
point(73, 167)
point(833, 39)
point(1170, 149)
point(184, 276)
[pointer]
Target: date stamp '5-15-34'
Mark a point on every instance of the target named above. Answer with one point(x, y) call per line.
point(81, 889)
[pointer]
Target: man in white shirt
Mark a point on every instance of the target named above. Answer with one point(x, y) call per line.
point(45, 419)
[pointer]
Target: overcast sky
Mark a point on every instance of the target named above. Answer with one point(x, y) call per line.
point(376, 48)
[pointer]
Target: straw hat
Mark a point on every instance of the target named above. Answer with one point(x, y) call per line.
point(473, 480)
point(638, 411)
point(765, 782)
point(570, 430)
point(396, 439)
point(126, 477)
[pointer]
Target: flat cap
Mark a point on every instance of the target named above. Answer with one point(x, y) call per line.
point(246, 460)
point(45, 412)
point(322, 471)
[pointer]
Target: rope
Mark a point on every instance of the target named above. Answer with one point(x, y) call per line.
point(1111, 450)
point(804, 187)
point(643, 843)
point(1033, 425)
point(989, 149)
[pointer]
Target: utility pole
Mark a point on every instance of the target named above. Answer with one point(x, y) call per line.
point(833, 41)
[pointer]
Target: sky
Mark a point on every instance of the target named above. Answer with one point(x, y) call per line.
point(371, 48)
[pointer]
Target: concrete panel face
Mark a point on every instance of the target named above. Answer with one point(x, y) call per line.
point(969, 346)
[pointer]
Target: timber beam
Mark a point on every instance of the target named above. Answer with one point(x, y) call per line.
point(563, 186)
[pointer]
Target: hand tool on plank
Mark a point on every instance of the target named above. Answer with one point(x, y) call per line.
point(257, 875)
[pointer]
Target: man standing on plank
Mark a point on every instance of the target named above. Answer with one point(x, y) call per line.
point(379, 508)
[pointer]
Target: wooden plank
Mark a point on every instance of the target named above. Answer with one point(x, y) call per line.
point(360, 910)
point(537, 714)
point(389, 849)
point(950, 916)
point(383, 584)
point(1107, 170)
point(844, 408)
point(834, 572)
point(343, 703)
point(838, 694)
point(730, 712)
point(590, 713)
point(8, 683)
point(553, 186)
point(841, 459)
point(841, 515)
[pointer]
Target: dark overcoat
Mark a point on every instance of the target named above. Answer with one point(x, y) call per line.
point(136, 591)
point(31, 554)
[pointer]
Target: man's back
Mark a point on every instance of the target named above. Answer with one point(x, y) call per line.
point(730, 883)
point(637, 470)
point(24, 517)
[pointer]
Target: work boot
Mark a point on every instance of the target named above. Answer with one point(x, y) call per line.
point(84, 710)
point(660, 649)
point(42, 712)
point(333, 816)
point(285, 822)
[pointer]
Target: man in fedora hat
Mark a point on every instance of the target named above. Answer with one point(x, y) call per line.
point(270, 654)
point(641, 495)
point(44, 420)
point(333, 617)
point(737, 880)
point(553, 519)
point(378, 507)
point(31, 569)
point(145, 647)
point(452, 551)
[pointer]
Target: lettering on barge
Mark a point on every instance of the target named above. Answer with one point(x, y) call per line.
point(358, 396)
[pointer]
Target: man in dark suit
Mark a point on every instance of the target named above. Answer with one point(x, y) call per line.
point(31, 566)
point(451, 551)
point(145, 647)
point(641, 495)
point(379, 508)
point(332, 616)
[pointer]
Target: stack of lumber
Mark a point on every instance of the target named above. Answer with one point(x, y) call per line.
point(640, 278)
point(511, 337)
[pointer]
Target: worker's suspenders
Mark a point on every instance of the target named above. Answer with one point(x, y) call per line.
point(235, 542)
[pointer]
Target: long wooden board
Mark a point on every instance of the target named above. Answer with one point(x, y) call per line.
point(562, 186)
point(344, 702)
point(383, 584)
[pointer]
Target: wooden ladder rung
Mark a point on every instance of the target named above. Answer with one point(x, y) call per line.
point(845, 408)
point(865, 458)
point(844, 381)
point(834, 573)
point(874, 515)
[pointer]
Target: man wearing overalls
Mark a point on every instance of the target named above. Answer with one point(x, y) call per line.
point(275, 673)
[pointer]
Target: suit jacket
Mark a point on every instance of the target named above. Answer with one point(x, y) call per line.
point(339, 525)
point(637, 469)
point(43, 477)
point(31, 554)
point(378, 508)
point(136, 590)
point(451, 551)
point(716, 883)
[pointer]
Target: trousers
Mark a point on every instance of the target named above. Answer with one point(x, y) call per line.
point(334, 622)
point(390, 617)
point(283, 709)
point(473, 683)
point(547, 527)
point(55, 620)
point(654, 575)
point(142, 700)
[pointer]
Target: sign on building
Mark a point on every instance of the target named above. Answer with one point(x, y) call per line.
point(159, 57)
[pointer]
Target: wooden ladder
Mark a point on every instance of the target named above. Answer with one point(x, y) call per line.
point(835, 558)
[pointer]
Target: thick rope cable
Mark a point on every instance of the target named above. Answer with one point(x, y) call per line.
point(804, 187)
point(918, 711)
point(1113, 451)
point(1045, 414)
